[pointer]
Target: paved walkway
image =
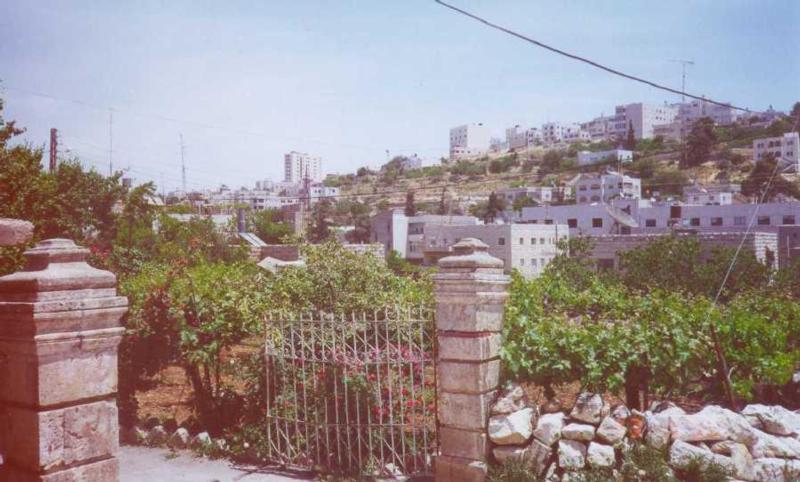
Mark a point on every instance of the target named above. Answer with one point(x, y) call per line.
point(142, 464)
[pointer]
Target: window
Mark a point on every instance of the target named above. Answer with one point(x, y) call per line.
point(694, 222)
point(572, 223)
point(533, 241)
point(501, 241)
point(625, 230)
point(716, 221)
point(605, 263)
point(674, 212)
point(739, 221)
point(763, 220)
point(533, 262)
point(541, 240)
point(789, 219)
point(548, 221)
point(583, 199)
point(582, 188)
point(521, 240)
point(650, 223)
point(522, 261)
point(597, 222)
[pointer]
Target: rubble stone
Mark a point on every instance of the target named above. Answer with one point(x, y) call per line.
point(515, 428)
point(774, 419)
point(681, 454)
point(600, 455)
point(571, 455)
point(180, 438)
point(588, 408)
point(578, 431)
point(776, 470)
point(511, 400)
point(611, 431)
point(548, 428)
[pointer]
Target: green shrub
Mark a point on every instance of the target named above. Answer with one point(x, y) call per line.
point(513, 470)
point(641, 463)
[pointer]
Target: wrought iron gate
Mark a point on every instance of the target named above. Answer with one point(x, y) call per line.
point(352, 394)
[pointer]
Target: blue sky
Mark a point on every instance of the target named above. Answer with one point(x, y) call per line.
point(348, 80)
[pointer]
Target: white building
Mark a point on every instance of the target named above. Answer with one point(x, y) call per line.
point(528, 248)
point(469, 140)
point(557, 133)
point(712, 195)
point(785, 149)
point(540, 194)
point(404, 234)
point(631, 216)
point(586, 158)
point(643, 118)
point(521, 138)
point(297, 166)
point(690, 112)
point(602, 188)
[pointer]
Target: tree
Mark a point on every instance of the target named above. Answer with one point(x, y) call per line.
point(700, 141)
point(521, 202)
point(761, 175)
point(269, 225)
point(411, 209)
point(551, 162)
point(320, 229)
point(630, 140)
point(494, 206)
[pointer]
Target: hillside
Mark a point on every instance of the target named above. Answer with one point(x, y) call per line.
point(466, 182)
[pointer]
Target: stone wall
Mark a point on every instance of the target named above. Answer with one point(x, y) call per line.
point(761, 443)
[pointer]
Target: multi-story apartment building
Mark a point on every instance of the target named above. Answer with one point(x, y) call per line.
point(557, 133)
point(587, 158)
point(540, 194)
point(404, 234)
point(785, 149)
point(788, 245)
point(643, 118)
point(689, 112)
point(521, 138)
point(631, 216)
point(297, 166)
point(469, 140)
point(602, 188)
point(528, 248)
point(600, 128)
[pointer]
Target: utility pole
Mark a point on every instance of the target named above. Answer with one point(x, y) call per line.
point(183, 164)
point(683, 63)
point(110, 142)
point(53, 149)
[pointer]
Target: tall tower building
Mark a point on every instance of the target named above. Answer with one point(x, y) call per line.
point(298, 165)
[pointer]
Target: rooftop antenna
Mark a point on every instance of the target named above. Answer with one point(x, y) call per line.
point(183, 163)
point(683, 63)
point(110, 142)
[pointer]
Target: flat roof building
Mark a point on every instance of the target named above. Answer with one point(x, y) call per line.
point(469, 140)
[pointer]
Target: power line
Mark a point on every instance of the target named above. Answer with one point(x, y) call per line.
point(585, 60)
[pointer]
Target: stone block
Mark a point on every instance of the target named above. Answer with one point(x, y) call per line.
point(15, 231)
point(65, 370)
point(464, 443)
point(466, 377)
point(481, 347)
point(466, 411)
point(480, 312)
point(457, 469)
point(65, 436)
point(106, 470)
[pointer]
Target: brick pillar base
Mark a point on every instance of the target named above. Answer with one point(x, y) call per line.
point(59, 333)
point(471, 290)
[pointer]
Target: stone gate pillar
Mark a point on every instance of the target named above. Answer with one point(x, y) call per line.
point(59, 333)
point(470, 290)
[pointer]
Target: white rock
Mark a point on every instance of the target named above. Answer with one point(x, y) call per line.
point(681, 454)
point(515, 428)
point(711, 424)
point(157, 435)
point(588, 408)
point(768, 446)
point(550, 474)
point(180, 438)
point(657, 435)
point(203, 439)
point(722, 448)
point(548, 428)
point(776, 470)
point(600, 455)
point(578, 431)
point(774, 419)
point(571, 455)
point(536, 454)
point(221, 444)
point(621, 413)
point(611, 431)
point(511, 400)
point(742, 462)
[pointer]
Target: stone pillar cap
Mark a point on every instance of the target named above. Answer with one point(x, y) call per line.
point(470, 253)
point(55, 265)
point(15, 231)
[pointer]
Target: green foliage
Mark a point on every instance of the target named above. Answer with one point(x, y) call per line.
point(269, 225)
point(630, 138)
point(641, 463)
point(494, 206)
point(468, 168)
point(764, 174)
point(513, 470)
point(699, 470)
point(503, 164)
point(188, 316)
point(521, 202)
point(338, 280)
point(321, 222)
point(667, 181)
point(700, 141)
